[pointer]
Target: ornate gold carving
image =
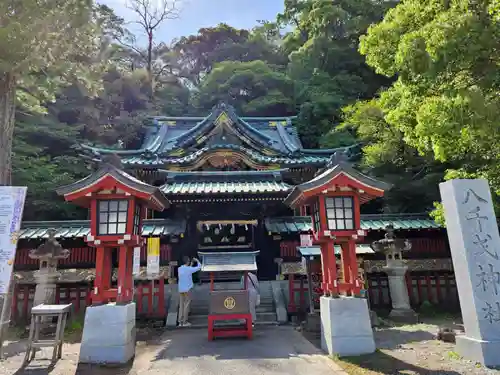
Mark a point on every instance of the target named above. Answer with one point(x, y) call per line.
point(229, 303)
point(444, 264)
point(223, 119)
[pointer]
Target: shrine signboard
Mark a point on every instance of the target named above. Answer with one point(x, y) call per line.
point(153, 257)
point(475, 248)
point(11, 212)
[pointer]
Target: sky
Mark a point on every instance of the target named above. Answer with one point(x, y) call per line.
point(196, 14)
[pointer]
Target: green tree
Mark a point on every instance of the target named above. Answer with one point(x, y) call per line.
point(253, 88)
point(414, 177)
point(198, 54)
point(44, 44)
point(324, 62)
point(445, 101)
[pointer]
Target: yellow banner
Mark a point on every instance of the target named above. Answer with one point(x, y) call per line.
point(153, 246)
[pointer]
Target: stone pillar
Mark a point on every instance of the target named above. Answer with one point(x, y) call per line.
point(475, 248)
point(401, 309)
point(46, 285)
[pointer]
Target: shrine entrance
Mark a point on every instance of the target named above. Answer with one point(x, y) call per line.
point(219, 236)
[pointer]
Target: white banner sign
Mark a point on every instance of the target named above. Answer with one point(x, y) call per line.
point(305, 240)
point(11, 213)
point(136, 268)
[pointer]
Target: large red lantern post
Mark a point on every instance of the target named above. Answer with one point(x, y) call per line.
point(117, 204)
point(335, 196)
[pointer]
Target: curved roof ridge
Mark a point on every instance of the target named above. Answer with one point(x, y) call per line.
point(287, 141)
point(159, 138)
point(146, 146)
point(190, 134)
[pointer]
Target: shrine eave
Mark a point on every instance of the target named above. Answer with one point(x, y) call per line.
point(342, 175)
point(247, 155)
point(102, 178)
point(372, 222)
point(75, 229)
point(78, 229)
point(228, 187)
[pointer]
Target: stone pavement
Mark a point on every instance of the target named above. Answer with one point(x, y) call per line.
point(274, 350)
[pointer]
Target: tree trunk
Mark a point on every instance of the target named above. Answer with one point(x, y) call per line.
point(150, 60)
point(7, 110)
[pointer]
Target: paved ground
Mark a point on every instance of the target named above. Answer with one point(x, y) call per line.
point(274, 350)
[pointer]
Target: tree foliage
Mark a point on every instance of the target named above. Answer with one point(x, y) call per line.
point(414, 82)
point(445, 103)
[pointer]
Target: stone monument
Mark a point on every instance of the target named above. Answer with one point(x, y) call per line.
point(48, 254)
point(393, 249)
point(475, 249)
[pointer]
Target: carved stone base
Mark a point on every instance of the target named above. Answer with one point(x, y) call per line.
point(403, 316)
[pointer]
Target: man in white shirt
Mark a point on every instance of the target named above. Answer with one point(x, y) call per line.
point(185, 274)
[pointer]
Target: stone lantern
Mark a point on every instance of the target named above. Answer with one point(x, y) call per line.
point(48, 254)
point(395, 268)
point(335, 196)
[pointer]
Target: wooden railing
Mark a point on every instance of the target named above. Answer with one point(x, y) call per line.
point(83, 256)
point(150, 300)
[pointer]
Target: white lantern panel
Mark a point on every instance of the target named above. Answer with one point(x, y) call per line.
point(122, 227)
point(332, 225)
point(122, 217)
point(113, 206)
point(111, 228)
point(123, 205)
point(103, 228)
point(103, 206)
point(329, 202)
point(340, 225)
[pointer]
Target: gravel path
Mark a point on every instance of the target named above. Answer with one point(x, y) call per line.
point(274, 350)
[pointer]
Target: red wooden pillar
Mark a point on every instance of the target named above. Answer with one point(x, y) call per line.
point(101, 272)
point(346, 263)
point(124, 277)
point(129, 272)
point(325, 268)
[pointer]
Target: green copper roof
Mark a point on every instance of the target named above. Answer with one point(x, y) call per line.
point(294, 224)
point(401, 221)
point(156, 160)
point(37, 230)
point(181, 141)
point(316, 250)
point(34, 230)
point(225, 187)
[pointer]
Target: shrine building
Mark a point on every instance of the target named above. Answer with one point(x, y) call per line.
point(226, 178)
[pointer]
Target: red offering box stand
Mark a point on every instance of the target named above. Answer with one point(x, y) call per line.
point(244, 330)
point(230, 304)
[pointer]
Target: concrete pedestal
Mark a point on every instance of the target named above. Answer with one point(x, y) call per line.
point(345, 326)
point(108, 334)
point(481, 351)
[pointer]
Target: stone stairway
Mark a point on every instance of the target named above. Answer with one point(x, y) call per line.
point(266, 313)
